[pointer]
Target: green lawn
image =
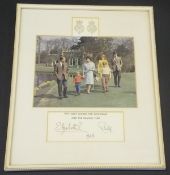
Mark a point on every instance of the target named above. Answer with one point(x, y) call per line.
point(125, 96)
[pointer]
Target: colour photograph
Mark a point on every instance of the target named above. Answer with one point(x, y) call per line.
point(84, 72)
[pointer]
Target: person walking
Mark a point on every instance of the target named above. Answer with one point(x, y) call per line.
point(106, 76)
point(103, 59)
point(116, 66)
point(61, 72)
point(88, 69)
point(77, 81)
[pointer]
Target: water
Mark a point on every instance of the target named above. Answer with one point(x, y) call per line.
point(41, 77)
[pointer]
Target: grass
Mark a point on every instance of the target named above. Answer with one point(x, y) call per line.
point(42, 68)
point(50, 69)
point(116, 97)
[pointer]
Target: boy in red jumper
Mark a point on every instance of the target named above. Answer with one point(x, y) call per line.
point(77, 80)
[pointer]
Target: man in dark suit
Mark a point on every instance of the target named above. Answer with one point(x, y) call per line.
point(116, 66)
point(61, 72)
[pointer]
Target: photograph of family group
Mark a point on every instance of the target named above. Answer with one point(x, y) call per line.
point(84, 72)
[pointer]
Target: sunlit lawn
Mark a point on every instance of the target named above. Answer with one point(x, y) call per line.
point(125, 96)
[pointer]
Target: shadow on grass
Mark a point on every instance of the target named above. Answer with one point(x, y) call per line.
point(70, 92)
point(97, 91)
point(45, 96)
point(112, 86)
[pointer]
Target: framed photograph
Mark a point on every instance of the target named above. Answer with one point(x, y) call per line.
point(85, 92)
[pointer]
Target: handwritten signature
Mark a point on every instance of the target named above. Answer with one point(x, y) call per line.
point(62, 127)
point(105, 127)
point(68, 127)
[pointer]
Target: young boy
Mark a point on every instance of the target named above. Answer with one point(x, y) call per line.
point(106, 75)
point(77, 80)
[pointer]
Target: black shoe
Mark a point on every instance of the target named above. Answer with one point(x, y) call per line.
point(60, 98)
point(65, 96)
point(118, 85)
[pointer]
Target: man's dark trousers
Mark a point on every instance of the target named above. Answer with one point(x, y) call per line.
point(62, 87)
point(117, 77)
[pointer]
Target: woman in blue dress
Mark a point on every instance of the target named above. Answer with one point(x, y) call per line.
point(88, 69)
